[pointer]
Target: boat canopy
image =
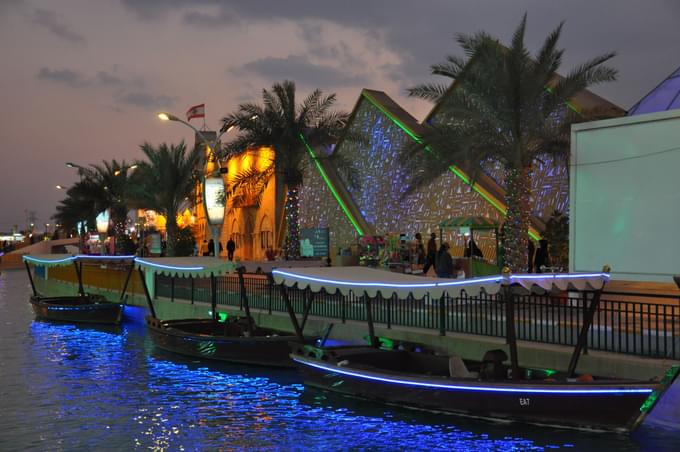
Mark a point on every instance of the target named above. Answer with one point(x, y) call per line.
point(60, 260)
point(185, 267)
point(371, 281)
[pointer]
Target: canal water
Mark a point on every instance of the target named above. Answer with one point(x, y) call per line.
point(66, 387)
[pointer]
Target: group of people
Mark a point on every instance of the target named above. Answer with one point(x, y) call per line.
point(208, 248)
point(442, 261)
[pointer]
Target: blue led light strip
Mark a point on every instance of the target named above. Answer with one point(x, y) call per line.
point(168, 267)
point(465, 282)
point(48, 261)
point(452, 387)
point(561, 276)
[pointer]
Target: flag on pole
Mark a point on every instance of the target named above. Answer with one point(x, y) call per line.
point(197, 111)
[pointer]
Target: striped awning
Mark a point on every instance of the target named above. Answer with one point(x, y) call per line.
point(469, 222)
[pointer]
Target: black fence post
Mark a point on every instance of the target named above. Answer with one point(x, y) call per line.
point(442, 315)
point(270, 279)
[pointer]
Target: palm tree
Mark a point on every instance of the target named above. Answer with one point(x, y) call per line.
point(289, 129)
point(76, 207)
point(504, 106)
point(165, 182)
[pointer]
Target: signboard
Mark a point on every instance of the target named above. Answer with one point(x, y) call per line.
point(214, 199)
point(314, 242)
point(155, 248)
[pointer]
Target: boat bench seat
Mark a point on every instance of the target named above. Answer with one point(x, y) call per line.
point(457, 368)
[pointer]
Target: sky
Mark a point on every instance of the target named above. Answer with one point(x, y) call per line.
point(82, 80)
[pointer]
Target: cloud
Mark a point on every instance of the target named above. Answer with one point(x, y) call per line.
point(146, 101)
point(303, 71)
point(65, 76)
point(49, 20)
point(201, 19)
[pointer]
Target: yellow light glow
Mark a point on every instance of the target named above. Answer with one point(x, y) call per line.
point(163, 116)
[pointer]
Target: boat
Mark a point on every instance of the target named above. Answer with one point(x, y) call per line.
point(234, 339)
point(81, 307)
point(411, 377)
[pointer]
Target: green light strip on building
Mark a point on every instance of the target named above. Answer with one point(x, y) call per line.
point(330, 186)
point(455, 170)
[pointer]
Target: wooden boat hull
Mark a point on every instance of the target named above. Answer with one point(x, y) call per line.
point(77, 309)
point(592, 406)
point(204, 338)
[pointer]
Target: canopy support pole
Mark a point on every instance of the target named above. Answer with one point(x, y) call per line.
point(127, 280)
point(244, 299)
point(213, 296)
point(30, 278)
point(308, 307)
point(146, 292)
point(583, 335)
point(369, 318)
point(511, 335)
point(79, 273)
point(291, 313)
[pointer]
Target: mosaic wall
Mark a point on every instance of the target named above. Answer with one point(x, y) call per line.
point(549, 185)
point(379, 196)
point(318, 208)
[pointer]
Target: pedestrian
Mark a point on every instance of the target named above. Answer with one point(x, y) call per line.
point(231, 247)
point(431, 253)
point(444, 262)
point(472, 250)
point(205, 251)
point(211, 247)
point(530, 251)
point(220, 246)
point(542, 258)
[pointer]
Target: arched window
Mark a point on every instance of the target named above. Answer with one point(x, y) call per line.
point(266, 239)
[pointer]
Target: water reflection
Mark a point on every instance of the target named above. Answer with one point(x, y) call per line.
point(67, 387)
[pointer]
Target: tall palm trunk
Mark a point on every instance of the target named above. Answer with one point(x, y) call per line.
point(292, 212)
point(171, 235)
point(518, 182)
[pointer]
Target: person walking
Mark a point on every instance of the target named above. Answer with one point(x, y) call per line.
point(211, 247)
point(231, 247)
point(205, 251)
point(444, 262)
point(431, 253)
point(542, 258)
point(530, 251)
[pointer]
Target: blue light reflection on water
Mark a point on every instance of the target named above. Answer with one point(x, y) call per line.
point(72, 387)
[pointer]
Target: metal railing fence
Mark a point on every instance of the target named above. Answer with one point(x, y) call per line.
point(649, 329)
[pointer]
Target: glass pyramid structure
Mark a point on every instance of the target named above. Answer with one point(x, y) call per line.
point(666, 96)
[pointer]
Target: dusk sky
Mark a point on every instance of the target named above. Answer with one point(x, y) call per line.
point(81, 80)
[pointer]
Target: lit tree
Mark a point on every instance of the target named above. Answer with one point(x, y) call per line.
point(505, 106)
point(165, 182)
point(287, 128)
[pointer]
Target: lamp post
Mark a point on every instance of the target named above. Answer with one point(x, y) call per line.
point(125, 169)
point(212, 185)
point(102, 227)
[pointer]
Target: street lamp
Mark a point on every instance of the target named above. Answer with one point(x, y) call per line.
point(61, 187)
point(102, 221)
point(124, 168)
point(212, 185)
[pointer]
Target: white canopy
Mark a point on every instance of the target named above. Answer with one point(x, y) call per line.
point(373, 281)
point(60, 260)
point(268, 266)
point(185, 267)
